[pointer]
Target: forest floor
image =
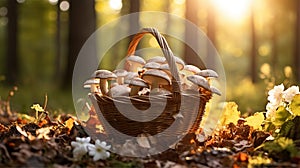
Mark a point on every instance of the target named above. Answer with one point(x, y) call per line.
point(45, 141)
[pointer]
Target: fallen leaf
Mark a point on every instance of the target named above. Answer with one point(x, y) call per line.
point(255, 121)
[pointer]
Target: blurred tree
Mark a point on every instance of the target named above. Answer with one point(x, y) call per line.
point(211, 33)
point(297, 42)
point(58, 67)
point(167, 8)
point(190, 56)
point(134, 23)
point(82, 23)
point(134, 20)
point(12, 61)
point(253, 59)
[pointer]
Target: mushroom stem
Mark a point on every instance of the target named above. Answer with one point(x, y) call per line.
point(120, 80)
point(154, 85)
point(94, 88)
point(134, 90)
point(194, 86)
point(103, 86)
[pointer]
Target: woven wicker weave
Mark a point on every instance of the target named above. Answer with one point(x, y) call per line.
point(186, 102)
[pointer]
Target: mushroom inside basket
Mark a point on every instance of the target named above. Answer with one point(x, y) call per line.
point(159, 95)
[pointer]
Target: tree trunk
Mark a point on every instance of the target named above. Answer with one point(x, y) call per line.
point(134, 19)
point(82, 23)
point(274, 48)
point(58, 43)
point(211, 33)
point(253, 62)
point(12, 61)
point(191, 56)
point(167, 8)
point(297, 42)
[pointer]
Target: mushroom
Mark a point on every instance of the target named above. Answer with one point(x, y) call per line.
point(120, 73)
point(198, 81)
point(156, 78)
point(136, 84)
point(158, 59)
point(187, 71)
point(152, 65)
point(166, 69)
point(208, 73)
point(135, 63)
point(180, 63)
point(119, 90)
point(104, 76)
point(129, 76)
point(190, 70)
point(215, 90)
point(93, 84)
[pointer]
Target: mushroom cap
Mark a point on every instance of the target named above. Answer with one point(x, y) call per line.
point(191, 68)
point(138, 82)
point(104, 74)
point(136, 59)
point(158, 59)
point(199, 80)
point(180, 63)
point(129, 76)
point(154, 74)
point(120, 72)
point(215, 90)
point(89, 82)
point(208, 73)
point(164, 67)
point(152, 65)
point(119, 90)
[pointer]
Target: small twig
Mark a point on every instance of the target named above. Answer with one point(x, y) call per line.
point(46, 101)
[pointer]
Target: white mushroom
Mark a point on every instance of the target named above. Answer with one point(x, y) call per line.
point(93, 84)
point(119, 90)
point(129, 76)
point(166, 69)
point(198, 81)
point(158, 59)
point(152, 65)
point(156, 78)
point(215, 90)
point(104, 76)
point(208, 73)
point(180, 63)
point(120, 73)
point(190, 70)
point(136, 84)
point(135, 63)
point(187, 71)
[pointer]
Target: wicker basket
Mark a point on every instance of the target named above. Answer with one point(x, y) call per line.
point(187, 103)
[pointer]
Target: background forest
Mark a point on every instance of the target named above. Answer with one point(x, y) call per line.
point(258, 42)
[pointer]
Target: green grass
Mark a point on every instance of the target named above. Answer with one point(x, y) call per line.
point(58, 99)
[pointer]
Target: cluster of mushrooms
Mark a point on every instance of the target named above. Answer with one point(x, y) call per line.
point(148, 76)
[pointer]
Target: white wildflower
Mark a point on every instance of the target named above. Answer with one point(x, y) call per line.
point(80, 146)
point(99, 150)
point(289, 94)
point(271, 109)
point(275, 95)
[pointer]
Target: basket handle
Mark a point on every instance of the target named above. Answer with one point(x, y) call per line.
point(167, 52)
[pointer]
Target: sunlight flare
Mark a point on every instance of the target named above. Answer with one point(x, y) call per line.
point(233, 9)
